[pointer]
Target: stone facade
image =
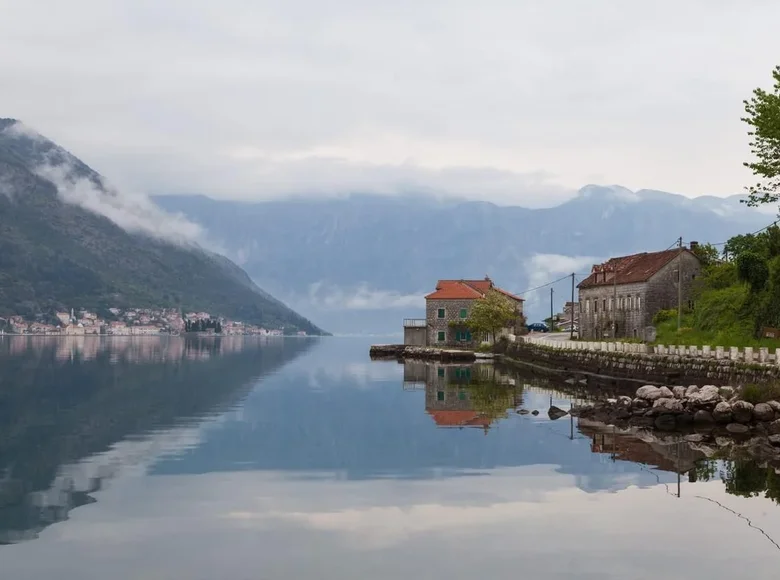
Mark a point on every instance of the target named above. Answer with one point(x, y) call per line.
point(450, 322)
point(630, 307)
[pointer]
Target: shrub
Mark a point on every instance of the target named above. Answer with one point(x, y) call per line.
point(760, 393)
point(664, 315)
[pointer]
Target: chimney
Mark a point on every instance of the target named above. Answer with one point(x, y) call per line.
point(694, 245)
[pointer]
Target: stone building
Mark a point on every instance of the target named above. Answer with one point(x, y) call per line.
point(449, 306)
point(621, 296)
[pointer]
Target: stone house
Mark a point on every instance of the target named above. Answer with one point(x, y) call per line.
point(620, 297)
point(449, 306)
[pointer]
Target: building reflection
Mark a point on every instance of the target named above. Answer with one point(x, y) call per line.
point(463, 396)
point(76, 411)
point(131, 349)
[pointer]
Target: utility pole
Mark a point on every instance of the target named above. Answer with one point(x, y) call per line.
point(551, 309)
point(679, 283)
point(614, 300)
point(571, 330)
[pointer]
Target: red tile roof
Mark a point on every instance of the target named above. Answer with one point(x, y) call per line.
point(466, 290)
point(629, 269)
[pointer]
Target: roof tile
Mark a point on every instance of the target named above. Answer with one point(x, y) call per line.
point(629, 269)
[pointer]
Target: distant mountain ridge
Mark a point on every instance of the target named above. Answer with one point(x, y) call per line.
point(59, 250)
point(361, 263)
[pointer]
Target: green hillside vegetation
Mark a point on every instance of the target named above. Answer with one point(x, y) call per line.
point(737, 295)
point(55, 255)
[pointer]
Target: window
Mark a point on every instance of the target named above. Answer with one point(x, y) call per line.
point(587, 306)
point(439, 395)
point(462, 395)
point(440, 371)
point(441, 336)
point(441, 313)
point(464, 313)
point(595, 305)
point(639, 303)
point(611, 303)
point(463, 336)
point(604, 305)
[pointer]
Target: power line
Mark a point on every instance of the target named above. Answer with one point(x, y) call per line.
point(774, 223)
point(544, 285)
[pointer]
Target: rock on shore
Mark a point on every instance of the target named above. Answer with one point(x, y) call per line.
point(677, 407)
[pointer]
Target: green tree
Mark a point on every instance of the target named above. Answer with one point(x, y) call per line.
point(707, 254)
point(763, 116)
point(492, 313)
point(753, 269)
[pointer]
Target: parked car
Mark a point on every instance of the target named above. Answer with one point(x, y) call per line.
point(538, 327)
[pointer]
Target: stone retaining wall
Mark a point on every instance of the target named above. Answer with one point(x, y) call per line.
point(647, 362)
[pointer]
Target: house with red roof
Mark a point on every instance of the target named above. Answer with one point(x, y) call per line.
point(448, 307)
point(621, 296)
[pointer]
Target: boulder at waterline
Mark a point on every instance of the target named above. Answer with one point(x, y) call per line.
point(737, 428)
point(763, 412)
point(649, 393)
point(702, 417)
point(742, 411)
point(722, 413)
point(556, 413)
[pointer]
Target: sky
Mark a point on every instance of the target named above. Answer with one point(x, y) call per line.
point(513, 101)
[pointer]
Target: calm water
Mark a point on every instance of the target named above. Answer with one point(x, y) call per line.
point(300, 458)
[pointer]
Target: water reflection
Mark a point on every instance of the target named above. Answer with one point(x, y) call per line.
point(479, 395)
point(76, 411)
point(128, 348)
point(377, 469)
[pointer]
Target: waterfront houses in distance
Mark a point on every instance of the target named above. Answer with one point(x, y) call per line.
point(446, 312)
point(131, 322)
point(621, 296)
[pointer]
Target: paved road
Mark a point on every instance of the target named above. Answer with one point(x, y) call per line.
point(549, 335)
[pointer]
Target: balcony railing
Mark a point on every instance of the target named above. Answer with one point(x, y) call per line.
point(415, 323)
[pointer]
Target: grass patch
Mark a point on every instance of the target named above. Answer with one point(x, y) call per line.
point(760, 393)
point(739, 333)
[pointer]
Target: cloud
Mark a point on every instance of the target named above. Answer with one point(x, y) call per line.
point(361, 297)
point(133, 212)
point(544, 268)
point(505, 101)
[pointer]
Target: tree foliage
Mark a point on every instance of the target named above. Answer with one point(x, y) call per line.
point(492, 313)
point(762, 114)
point(753, 269)
point(707, 254)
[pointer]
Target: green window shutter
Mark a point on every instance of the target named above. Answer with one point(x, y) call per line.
point(468, 336)
point(462, 395)
point(464, 313)
point(440, 336)
point(441, 313)
point(440, 395)
point(440, 372)
point(457, 335)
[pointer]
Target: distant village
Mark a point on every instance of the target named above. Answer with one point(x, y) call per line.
point(134, 322)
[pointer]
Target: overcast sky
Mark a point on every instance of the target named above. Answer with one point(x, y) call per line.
point(515, 101)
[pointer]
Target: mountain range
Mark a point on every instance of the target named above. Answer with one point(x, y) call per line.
point(361, 263)
point(69, 240)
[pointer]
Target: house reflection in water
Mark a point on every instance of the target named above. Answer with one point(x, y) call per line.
point(670, 453)
point(458, 396)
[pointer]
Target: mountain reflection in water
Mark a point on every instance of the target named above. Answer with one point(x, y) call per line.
point(75, 411)
point(238, 451)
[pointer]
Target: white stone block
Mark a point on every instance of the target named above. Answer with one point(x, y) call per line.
point(718, 352)
point(706, 351)
point(749, 354)
point(763, 354)
point(734, 353)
